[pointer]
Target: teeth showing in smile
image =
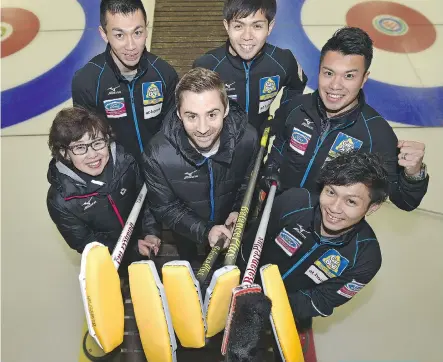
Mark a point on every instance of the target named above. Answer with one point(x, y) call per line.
point(94, 164)
point(335, 96)
point(332, 218)
point(247, 47)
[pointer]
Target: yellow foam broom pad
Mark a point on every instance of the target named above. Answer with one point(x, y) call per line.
point(102, 297)
point(282, 319)
point(185, 303)
point(151, 312)
point(218, 298)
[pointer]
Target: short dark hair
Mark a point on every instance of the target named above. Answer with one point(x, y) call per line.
point(124, 7)
point(350, 41)
point(239, 9)
point(70, 125)
point(357, 167)
point(199, 80)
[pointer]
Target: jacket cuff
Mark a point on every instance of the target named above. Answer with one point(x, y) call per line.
point(205, 235)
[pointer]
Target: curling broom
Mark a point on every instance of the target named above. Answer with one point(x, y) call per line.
point(249, 308)
point(224, 280)
point(100, 286)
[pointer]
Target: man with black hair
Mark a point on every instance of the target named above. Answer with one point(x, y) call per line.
point(131, 87)
point(324, 248)
point(315, 128)
point(253, 71)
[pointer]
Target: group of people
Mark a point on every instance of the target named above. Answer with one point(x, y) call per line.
point(194, 141)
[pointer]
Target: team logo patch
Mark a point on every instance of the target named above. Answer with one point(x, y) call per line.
point(288, 242)
point(269, 87)
point(350, 289)
point(115, 108)
point(316, 275)
point(332, 263)
point(343, 144)
point(299, 141)
point(152, 93)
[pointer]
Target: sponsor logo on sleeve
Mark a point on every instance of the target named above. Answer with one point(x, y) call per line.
point(350, 289)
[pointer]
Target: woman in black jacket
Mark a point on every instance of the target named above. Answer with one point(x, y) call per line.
point(94, 184)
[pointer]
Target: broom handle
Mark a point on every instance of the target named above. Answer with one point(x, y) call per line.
point(234, 246)
point(207, 265)
point(123, 240)
point(257, 247)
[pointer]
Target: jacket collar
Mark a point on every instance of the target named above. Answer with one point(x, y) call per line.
point(142, 65)
point(349, 116)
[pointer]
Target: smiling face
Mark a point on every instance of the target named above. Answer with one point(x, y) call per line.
point(344, 206)
point(202, 115)
point(339, 82)
point(92, 162)
point(126, 34)
point(248, 35)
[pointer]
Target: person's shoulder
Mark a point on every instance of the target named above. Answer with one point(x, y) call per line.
point(54, 199)
point(156, 144)
point(92, 68)
point(284, 57)
point(211, 59)
point(161, 65)
point(296, 102)
point(376, 124)
point(368, 245)
point(296, 201)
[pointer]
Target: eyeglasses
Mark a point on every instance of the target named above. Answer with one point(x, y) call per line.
point(82, 149)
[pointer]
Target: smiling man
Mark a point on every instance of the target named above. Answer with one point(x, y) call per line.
point(315, 128)
point(253, 70)
point(324, 248)
point(198, 166)
point(132, 88)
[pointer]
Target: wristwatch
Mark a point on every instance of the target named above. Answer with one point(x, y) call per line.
point(421, 175)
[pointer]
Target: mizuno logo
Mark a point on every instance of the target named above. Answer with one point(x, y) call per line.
point(308, 123)
point(88, 204)
point(113, 90)
point(189, 175)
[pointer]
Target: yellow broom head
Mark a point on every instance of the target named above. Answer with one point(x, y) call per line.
point(282, 319)
point(152, 312)
point(102, 298)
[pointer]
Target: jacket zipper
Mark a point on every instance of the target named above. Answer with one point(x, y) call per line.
point(317, 147)
point(114, 207)
point(137, 129)
point(285, 275)
point(247, 69)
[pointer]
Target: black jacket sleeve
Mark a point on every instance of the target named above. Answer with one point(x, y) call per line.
point(171, 82)
point(404, 194)
point(322, 299)
point(82, 92)
point(168, 208)
point(297, 78)
point(242, 190)
point(150, 226)
point(76, 233)
point(275, 157)
point(206, 61)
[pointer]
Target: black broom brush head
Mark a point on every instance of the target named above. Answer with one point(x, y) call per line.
point(248, 325)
